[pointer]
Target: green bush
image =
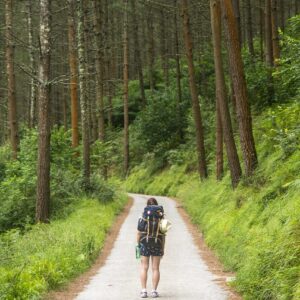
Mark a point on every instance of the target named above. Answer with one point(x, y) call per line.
point(50, 255)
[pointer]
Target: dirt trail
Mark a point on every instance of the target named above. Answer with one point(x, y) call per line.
point(189, 270)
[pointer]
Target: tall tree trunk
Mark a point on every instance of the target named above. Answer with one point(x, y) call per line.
point(43, 163)
point(150, 33)
point(261, 29)
point(83, 93)
point(275, 35)
point(163, 54)
point(11, 83)
point(268, 34)
point(137, 51)
point(125, 79)
point(219, 144)
point(222, 105)
point(237, 14)
point(32, 97)
point(178, 72)
point(99, 65)
point(240, 88)
point(282, 14)
point(249, 28)
point(73, 72)
point(202, 167)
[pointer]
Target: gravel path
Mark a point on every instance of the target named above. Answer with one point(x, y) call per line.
point(184, 274)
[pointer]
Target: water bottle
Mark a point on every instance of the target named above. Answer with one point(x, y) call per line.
point(137, 252)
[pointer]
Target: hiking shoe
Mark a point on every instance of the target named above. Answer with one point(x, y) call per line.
point(154, 294)
point(144, 294)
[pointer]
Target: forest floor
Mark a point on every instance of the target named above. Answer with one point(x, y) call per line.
point(189, 270)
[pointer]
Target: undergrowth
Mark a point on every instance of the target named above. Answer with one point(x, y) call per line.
point(255, 229)
point(47, 256)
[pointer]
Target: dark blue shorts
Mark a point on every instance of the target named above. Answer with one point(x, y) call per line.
point(152, 248)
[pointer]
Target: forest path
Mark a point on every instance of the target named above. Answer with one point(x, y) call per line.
point(184, 273)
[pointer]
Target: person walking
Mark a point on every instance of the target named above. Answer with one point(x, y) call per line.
point(151, 243)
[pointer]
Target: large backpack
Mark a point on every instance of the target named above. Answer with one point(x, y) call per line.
point(149, 223)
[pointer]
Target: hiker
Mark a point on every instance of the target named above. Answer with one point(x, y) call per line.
point(151, 242)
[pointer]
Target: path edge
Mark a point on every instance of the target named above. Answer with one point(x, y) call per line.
point(213, 263)
point(75, 286)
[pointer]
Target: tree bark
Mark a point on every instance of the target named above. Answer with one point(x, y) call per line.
point(125, 81)
point(83, 94)
point(237, 14)
point(178, 72)
point(268, 34)
point(73, 73)
point(150, 33)
point(43, 163)
point(163, 52)
point(275, 35)
point(223, 113)
point(249, 28)
point(11, 83)
point(32, 97)
point(282, 14)
point(240, 88)
point(99, 66)
point(138, 52)
point(202, 167)
point(219, 144)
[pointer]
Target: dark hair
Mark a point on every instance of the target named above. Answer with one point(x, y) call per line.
point(152, 201)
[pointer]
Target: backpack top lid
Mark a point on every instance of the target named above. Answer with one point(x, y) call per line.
point(153, 211)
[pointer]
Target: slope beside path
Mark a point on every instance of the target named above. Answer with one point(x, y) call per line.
point(184, 274)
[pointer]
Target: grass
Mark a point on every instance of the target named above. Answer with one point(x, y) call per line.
point(254, 230)
point(47, 256)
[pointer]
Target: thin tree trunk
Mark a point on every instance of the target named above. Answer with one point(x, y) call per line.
point(261, 29)
point(268, 34)
point(43, 163)
point(150, 33)
point(125, 79)
point(249, 28)
point(275, 35)
point(73, 73)
point(32, 97)
point(222, 105)
point(219, 144)
point(178, 73)
point(237, 14)
point(202, 167)
point(99, 66)
point(138, 52)
point(83, 94)
point(240, 88)
point(11, 83)
point(282, 14)
point(163, 53)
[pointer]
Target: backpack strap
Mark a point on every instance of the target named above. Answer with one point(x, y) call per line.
point(148, 229)
point(157, 230)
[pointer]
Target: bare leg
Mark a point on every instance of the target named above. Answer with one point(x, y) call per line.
point(155, 271)
point(144, 270)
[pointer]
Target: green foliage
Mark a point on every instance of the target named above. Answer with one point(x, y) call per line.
point(156, 129)
point(254, 229)
point(50, 255)
point(287, 74)
point(18, 185)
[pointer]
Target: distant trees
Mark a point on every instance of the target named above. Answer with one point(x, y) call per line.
point(100, 52)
